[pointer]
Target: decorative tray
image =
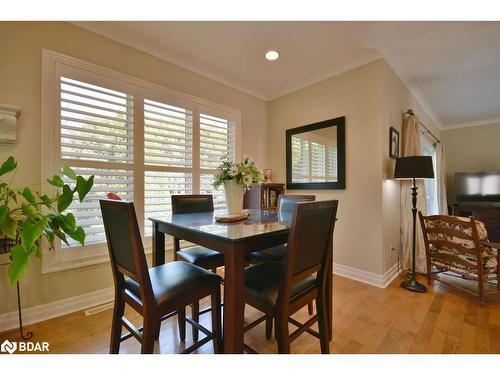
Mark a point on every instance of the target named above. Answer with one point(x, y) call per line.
point(231, 218)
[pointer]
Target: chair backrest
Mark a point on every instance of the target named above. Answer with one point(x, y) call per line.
point(192, 203)
point(309, 241)
point(448, 237)
point(286, 203)
point(125, 247)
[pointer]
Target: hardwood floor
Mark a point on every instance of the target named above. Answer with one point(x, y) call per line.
point(366, 320)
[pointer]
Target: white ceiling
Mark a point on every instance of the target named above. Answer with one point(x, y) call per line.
point(453, 68)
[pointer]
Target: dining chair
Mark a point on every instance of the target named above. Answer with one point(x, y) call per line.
point(156, 293)
point(197, 255)
point(279, 289)
point(286, 205)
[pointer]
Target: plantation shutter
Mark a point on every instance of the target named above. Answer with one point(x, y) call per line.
point(317, 161)
point(168, 157)
point(217, 142)
point(97, 127)
point(300, 158)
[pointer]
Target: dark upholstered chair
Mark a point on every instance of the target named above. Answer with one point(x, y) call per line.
point(279, 289)
point(156, 293)
point(286, 204)
point(459, 246)
point(197, 255)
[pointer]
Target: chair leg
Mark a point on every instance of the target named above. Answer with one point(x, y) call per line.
point(148, 335)
point(195, 307)
point(310, 309)
point(282, 336)
point(269, 327)
point(157, 330)
point(116, 326)
point(323, 325)
point(181, 320)
point(216, 321)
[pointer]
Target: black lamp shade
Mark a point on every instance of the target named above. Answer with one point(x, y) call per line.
point(414, 167)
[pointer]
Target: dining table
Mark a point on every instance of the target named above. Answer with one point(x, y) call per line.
point(260, 230)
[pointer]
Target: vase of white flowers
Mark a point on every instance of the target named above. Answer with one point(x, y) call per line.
point(236, 178)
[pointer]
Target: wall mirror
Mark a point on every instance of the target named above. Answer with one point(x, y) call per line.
point(315, 155)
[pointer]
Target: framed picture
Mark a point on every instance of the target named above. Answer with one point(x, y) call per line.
point(394, 143)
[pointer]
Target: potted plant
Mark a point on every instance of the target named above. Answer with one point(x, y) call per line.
point(26, 216)
point(236, 178)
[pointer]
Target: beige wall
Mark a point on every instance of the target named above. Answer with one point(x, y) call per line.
point(472, 149)
point(20, 80)
point(372, 98)
point(354, 94)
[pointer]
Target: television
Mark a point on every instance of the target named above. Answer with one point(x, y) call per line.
point(477, 187)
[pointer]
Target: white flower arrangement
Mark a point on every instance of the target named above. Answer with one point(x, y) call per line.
point(245, 173)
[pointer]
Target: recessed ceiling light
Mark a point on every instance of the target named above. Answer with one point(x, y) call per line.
point(272, 55)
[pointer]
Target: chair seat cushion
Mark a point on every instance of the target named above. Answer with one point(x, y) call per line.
point(262, 283)
point(176, 281)
point(272, 254)
point(201, 256)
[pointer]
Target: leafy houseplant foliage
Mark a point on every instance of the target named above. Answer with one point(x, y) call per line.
point(245, 173)
point(27, 216)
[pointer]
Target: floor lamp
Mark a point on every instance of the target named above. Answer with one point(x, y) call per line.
point(414, 167)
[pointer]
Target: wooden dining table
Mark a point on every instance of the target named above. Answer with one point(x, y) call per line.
point(262, 229)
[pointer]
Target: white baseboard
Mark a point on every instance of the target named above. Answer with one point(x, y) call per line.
point(65, 306)
point(54, 309)
point(375, 279)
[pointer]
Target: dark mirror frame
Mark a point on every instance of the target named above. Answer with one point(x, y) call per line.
point(338, 122)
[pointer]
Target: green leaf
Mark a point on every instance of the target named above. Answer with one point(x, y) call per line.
point(70, 221)
point(61, 235)
point(19, 264)
point(56, 181)
point(69, 172)
point(46, 200)
point(9, 165)
point(30, 211)
point(83, 186)
point(78, 235)
point(65, 199)
point(30, 233)
point(4, 210)
point(28, 195)
point(9, 227)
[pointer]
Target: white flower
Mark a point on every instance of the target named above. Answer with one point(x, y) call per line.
point(233, 171)
point(247, 180)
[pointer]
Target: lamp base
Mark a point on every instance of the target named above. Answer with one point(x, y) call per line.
point(413, 285)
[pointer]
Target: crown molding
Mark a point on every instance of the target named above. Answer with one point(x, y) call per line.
point(470, 124)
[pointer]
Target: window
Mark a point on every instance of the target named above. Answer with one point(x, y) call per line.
point(141, 141)
point(429, 149)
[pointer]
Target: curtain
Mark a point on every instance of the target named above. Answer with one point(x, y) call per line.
point(411, 147)
point(441, 179)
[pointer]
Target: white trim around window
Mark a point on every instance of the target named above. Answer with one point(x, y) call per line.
point(128, 98)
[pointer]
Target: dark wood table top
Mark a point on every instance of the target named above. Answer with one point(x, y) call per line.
point(260, 222)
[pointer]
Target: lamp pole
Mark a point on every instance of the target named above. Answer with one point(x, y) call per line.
point(412, 283)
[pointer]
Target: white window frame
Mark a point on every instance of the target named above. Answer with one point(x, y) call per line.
point(53, 66)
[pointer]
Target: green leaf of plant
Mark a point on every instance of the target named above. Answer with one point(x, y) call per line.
point(19, 264)
point(28, 195)
point(9, 227)
point(70, 221)
point(30, 233)
point(56, 181)
point(61, 235)
point(83, 186)
point(8, 165)
point(4, 210)
point(78, 235)
point(65, 199)
point(30, 211)
point(69, 172)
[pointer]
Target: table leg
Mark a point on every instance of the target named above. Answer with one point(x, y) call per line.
point(234, 304)
point(158, 249)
